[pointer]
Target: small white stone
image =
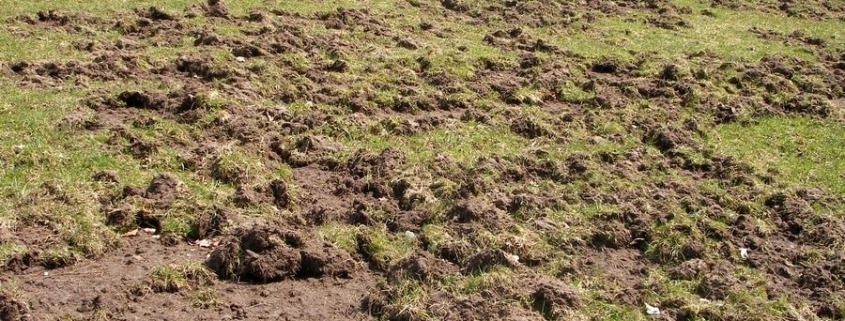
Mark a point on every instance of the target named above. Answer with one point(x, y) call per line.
point(410, 235)
point(46, 273)
point(651, 310)
point(743, 252)
point(240, 59)
point(204, 243)
point(150, 230)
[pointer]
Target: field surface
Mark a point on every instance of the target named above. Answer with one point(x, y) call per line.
point(422, 160)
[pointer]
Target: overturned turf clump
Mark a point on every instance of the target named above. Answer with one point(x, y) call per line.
point(553, 298)
point(13, 309)
point(264, 254)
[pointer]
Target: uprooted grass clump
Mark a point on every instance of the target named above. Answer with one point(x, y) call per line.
point(174, 279)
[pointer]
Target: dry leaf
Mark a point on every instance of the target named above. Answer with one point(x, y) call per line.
point(130, 233)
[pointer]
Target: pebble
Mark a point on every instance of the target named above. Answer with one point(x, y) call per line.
point(651, 310)
point(410, 235)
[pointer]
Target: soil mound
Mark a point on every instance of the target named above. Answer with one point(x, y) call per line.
point(266, 254)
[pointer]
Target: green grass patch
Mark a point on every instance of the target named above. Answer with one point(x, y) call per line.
point(465, 144)
point(802, 151)
point(725, 34)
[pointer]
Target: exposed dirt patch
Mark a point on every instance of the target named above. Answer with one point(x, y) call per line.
point(623, 268)
point(59, 19)
point(120, 277)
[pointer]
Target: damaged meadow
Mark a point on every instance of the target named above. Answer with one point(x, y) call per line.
point(422, 160)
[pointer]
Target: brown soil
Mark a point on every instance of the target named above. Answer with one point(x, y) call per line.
point(114, 288)
point(264, 254)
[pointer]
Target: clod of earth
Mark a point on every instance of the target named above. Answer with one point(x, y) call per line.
point(13, 309)
point(267, 254)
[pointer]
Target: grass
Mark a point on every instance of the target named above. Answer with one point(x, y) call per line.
point(36, 151)
point(340, 235)
point(38, 45)
point(601, 310)
point(189, 276)
point(486, 281)
point(234, 165)
point(204, 298)
point(385, 248)
point(167, 279)
point(46, 152)
point(407, 299)
point(726, 34)
point(465, 144)
point(802, 151)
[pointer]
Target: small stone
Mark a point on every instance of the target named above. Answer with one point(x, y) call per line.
point(204, 243)
point(410, 235)
point(743, 252)
point(240, 59)
point(651, 310)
